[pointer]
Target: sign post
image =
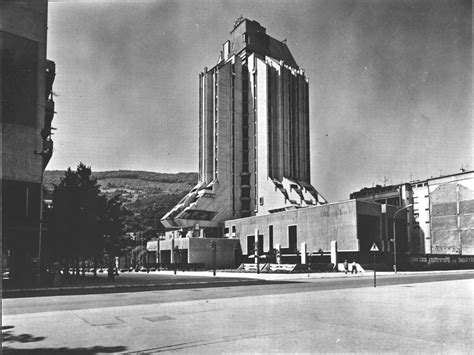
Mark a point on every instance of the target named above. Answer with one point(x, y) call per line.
point(373, 250)
point(213, 248)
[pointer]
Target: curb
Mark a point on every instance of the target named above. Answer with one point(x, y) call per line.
point(243, 281)
point(84, 290)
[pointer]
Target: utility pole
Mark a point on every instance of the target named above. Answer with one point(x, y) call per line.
point(309, 263)
point(40, 233)
point(176, 253)
point(395, 237)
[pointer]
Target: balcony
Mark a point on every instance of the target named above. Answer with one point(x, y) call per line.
point(47, 151)
point(49, 112)
point(50, 75)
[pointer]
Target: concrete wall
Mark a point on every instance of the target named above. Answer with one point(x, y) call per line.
point(21, 131)
point(200, 252)
point(452, 214)
point(317, 226)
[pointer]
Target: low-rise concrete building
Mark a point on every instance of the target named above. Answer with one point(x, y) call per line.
point(200, 252)
point(354, 225)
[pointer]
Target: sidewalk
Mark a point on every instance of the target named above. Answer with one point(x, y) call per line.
point(313, 275)
point(165, 280)
point(127, 282)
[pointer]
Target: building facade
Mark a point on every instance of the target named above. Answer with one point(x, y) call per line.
point(400, 196)
point(351, 227)
point(27, 109)
point(444, 214)
point(441, 220)
point(253, 135)
point(254, 176)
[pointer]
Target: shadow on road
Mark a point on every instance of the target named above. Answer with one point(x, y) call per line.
point(64, 350)
point(10, 337)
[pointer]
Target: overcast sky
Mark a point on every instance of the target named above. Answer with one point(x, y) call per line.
point(390, 84)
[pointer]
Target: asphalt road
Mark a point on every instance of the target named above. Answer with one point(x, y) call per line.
point(416, 313)
point(77, 302)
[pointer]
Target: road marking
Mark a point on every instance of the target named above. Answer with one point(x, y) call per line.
point(100, 320)
point(158, 318)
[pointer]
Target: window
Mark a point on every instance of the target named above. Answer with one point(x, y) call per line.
point(395, 201)
point(245, 205)
point(292, 239)
point(270, 238)
point(250, 244)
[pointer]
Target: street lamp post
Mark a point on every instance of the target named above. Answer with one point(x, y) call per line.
point(395, 237)
point(257, 257)
point(176, 255)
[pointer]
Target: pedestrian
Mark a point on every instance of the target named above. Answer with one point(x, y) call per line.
point(346, 266)
point(354, 267)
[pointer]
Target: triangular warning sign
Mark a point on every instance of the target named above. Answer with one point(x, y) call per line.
point(374, 248)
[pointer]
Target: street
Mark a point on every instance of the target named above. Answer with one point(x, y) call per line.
point(413, 313)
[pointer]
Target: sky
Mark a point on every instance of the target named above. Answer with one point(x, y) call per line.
point(390, 84)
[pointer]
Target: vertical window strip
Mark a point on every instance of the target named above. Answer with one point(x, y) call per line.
point(215, 123)
point(255, 134)
point(233, 138)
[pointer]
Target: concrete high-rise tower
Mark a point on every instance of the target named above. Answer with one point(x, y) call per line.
point(27, 111)
point(254, 150)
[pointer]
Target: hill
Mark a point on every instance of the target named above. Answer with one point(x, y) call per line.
point(146, 195)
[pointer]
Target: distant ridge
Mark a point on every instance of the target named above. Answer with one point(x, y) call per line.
point(56, 175)
point(147, 195)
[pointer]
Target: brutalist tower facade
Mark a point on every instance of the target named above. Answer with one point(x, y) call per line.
point(254, 149)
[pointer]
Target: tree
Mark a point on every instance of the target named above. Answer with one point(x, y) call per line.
point(112, 228)
point(83, 221)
